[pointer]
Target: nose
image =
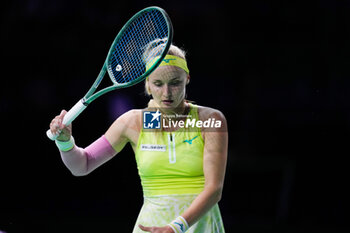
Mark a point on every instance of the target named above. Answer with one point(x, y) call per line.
point(166, 91)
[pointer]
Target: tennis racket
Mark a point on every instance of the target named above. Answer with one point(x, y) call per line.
point(146, 37)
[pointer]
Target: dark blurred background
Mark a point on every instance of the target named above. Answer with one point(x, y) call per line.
point(278, 70)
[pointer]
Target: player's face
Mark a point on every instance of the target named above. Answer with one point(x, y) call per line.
point(168, 86)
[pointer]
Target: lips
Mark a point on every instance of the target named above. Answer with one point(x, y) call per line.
point(167, 102)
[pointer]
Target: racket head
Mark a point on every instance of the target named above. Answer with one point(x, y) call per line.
point(146, 37)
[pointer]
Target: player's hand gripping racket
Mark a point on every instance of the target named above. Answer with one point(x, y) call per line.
point(146, 37)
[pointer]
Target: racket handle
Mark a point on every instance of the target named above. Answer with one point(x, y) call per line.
point(69, 117)
point(50, 135)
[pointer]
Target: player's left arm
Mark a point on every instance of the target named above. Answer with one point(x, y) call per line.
point(214, 167)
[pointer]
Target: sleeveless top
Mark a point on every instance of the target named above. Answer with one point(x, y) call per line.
point(171, 162)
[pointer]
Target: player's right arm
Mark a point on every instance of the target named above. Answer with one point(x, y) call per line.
point(82, 161)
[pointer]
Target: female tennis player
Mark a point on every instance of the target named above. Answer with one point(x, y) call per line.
point(181, 165)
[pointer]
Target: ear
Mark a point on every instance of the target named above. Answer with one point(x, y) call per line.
point(148, 89)
point(188, 79)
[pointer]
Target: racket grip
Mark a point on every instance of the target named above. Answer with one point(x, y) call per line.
point(69, 117)
point(50, 135)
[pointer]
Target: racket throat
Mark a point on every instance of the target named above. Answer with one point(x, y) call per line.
point(84, 102)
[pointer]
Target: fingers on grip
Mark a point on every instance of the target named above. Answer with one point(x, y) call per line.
point(56, 126)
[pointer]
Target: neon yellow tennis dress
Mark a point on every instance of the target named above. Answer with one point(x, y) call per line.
point(170, 166)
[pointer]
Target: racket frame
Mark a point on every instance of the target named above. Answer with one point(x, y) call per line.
point(91, 95)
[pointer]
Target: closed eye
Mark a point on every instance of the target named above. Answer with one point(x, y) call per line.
point(158, 84)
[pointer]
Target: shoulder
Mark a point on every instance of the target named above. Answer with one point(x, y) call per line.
point(214, 118)
point(124, 129)
point(131, 115)
point(216, 133)
point(205, 113)
point(131, 119)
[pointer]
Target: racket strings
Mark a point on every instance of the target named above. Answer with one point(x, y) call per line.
point(144, 39)
point(129, 48)
point(154, 32)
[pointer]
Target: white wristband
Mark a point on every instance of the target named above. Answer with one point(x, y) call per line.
point(179, 225)
point(65, 146)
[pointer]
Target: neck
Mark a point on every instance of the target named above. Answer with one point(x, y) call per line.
point(180, 109)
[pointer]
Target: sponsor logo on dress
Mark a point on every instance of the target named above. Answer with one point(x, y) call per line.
point(190, 141)
point(151, 147)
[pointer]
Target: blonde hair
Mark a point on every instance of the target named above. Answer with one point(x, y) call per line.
point(173, 50)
